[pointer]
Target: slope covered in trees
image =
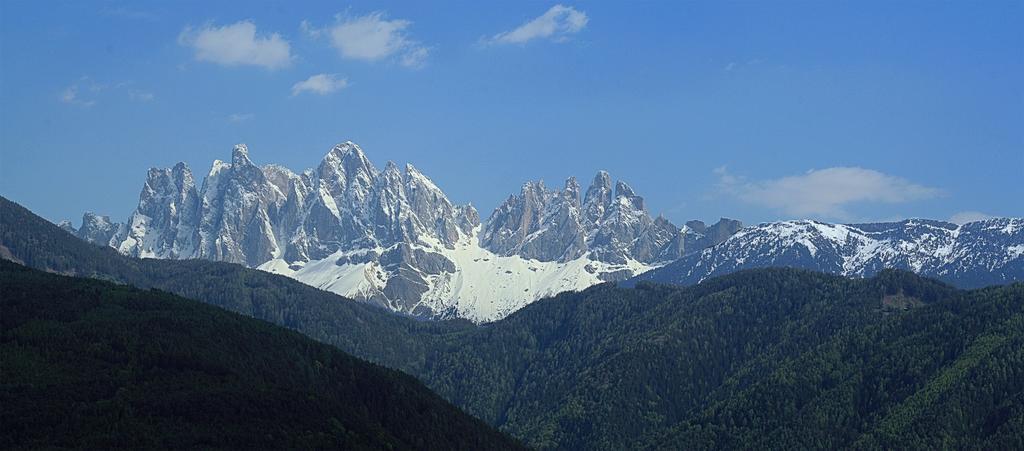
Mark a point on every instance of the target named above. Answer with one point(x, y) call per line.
point(91, 364)
point(360, 329)
point(761, 358)
point(769, 358)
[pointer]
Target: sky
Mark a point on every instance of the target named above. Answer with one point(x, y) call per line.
point(839, 111)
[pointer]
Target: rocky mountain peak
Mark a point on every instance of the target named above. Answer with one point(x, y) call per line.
point(696, 226)
point(416, 178)
point(597, 198)
point(391, 237)
point(347, 174)
point(97, 229)
point(602, 180)
point(240, 156)
point(350, 157)
point(625, 195)
point(571, 190)
point(623, 190)
point(611, 225)
point(65, 224)
point(970, 255)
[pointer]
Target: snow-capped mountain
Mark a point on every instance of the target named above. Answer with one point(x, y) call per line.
point(95, 228)
point(393, 238)
point(971, 255)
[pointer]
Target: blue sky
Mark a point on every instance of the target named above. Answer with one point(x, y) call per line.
point(843, 111)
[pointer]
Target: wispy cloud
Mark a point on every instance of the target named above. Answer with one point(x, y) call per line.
point(823, 192)
point(964, 217)
point(238, 118)
point(558, 23)
point(70, 95)
point(87, 92)
point(321, 84)
point(141, 96)
point(733, 65)
point(128, 13)
point(372, 37)
point(236, 45)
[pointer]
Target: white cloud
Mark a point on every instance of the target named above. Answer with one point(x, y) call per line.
point(735, 66)
point(237, 44)
point(557, 23)
point(86, 92)
point(372, 38)
point(964, 217)
point(141, 96)
point(308, 29)
point(823, 192)
point(321, 84)
point(416, 57)
point(70, 96)
point(238, 118)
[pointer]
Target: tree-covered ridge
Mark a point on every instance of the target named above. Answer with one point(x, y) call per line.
point(358, 328)
point(768, 357)
point(611, 368)
point(94, 365)
point(945, 375)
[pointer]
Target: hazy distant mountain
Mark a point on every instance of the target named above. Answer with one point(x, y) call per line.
point(393, 238)
point(975, 254)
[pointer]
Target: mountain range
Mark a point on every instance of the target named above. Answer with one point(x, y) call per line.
point(971, 255)
point(393, 238)
point(776, 358)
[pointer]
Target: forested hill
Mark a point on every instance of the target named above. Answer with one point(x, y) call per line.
point(773, 358)
point(95, 365)
point(357, 328)
point(776, 358)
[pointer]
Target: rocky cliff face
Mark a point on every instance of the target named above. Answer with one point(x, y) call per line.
point(392, 237)
point(95, 229)
point(695, 236)
point(557, 225)
point(164, 225)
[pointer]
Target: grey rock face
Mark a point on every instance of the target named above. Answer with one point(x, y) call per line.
point(237, 206)
point(66, 226)
point(597, 199)
point(696, 236)
point(97, 229)
point(384, 236)
point(352, 205)
point(408, 268)
point(249, 215)
point(611, 226)
point(164, 224)
point(538, 223)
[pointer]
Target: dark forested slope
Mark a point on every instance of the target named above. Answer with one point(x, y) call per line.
point(946, 375)
point(90, 364)
point(760, 358)
point(360, 329)
point(612, 368)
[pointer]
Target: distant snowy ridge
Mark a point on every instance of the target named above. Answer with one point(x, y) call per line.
point(392, 237)
point(971, 255)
